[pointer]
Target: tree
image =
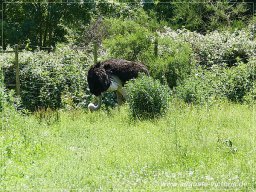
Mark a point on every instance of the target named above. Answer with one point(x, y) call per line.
point(42, 24)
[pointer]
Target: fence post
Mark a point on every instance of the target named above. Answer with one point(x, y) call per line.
point(95, 52)
point(17, 70)
point(156, 46)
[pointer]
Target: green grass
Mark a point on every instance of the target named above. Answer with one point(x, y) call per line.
point(191, 148)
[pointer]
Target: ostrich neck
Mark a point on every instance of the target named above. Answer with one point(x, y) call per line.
point(99, 102)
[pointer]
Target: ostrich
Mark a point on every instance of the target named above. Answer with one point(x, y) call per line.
point(111, 75)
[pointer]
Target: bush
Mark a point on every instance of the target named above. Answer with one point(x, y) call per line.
point(238, 83)
point(47, 78)
point(147, 98)
point(127, 40)
point(250, 96)
point(8, 102)
point(210, 15)
point(216, 48)
point(201, 87)
point(218, 82)
point(174, 62)
point(3, 97)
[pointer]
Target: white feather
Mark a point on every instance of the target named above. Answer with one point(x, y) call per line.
point(116, 83)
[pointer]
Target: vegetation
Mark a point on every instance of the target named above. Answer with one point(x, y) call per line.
point(45, 24)
point(147, 98)
point(207, 86)
point(189, 126)
point(49, 79)
point(191, 147)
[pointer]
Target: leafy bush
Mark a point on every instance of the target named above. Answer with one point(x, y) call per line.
point(250, 96)
point(132, 40)
point(211, 15)
point(127, 40)
point(147, 97)
point(238, 83)
point(174, 62)
point(47, 78)
point(8, 102)
point(3, 97)
point(200, 87)
point(219, 82)
point(216, 48)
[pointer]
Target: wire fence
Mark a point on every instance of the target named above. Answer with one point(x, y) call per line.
point(19, 48)
point(52, 69)
point(27, 46)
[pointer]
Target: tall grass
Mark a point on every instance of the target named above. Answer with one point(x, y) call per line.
point(191, 147)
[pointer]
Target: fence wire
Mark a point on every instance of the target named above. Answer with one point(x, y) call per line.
point(51, 69)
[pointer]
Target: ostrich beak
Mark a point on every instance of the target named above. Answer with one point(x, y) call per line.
point(92, 107)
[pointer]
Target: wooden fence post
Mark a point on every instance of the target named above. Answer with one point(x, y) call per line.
point(156, 46)
point(95, 52)
point(17, 70)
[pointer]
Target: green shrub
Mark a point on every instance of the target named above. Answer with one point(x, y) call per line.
point(8, 101)
point(216, 48)
point(218, 82)
point(200, 87)
point(238, 83)
point(204, 17)
point(46, 78)
point(132, 40)
point(3, 97)
point(250, 96)
point(147, 97)
point(128, 41)
point(174, 62)
point(53, 80)
point(129, 46)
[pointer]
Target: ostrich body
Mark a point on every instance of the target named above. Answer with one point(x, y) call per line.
point(111, 75)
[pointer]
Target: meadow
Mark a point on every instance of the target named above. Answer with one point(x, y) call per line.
point(201, 60)
point(191, 147)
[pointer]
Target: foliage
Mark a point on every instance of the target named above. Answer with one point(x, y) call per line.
point(200, 87)
point(127, 39)
point(8, 101)
point(217, 48)
point(42, 24)
point(205, 86)
point(47, 79)
point(147, 98)
point(238, 83)
point(4, 97)
point(2, 92)
point(202, 16)
point(116, 9)
point(173, 63)
point(131, 40)
point(63, 149)
point(250, 97)
point(48, 23)
point(135, 31)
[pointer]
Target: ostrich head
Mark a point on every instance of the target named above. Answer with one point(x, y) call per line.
point(93, 107)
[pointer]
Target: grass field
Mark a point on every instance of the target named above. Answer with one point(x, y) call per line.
point(191, 148)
